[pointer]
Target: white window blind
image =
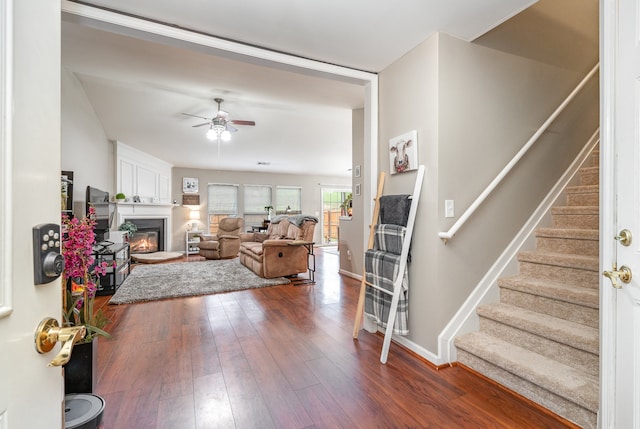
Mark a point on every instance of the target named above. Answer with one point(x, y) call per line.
point(222, 199)
point(288, 199)
point(256, 198)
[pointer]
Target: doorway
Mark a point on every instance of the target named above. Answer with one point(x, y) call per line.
point(335, 203)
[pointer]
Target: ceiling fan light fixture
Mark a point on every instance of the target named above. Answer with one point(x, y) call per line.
point(225, 136)
point(211, 134)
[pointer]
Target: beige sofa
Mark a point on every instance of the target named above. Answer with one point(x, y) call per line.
point(271, 254)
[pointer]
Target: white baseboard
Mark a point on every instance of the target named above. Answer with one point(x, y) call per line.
point(350, 274)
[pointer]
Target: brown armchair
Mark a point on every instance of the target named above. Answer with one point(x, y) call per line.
point(224, 244)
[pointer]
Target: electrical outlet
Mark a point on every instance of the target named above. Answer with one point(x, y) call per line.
point(448, 208)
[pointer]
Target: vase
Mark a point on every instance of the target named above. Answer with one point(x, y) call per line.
point(80, 371)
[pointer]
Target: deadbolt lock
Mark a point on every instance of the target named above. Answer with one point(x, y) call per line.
point(624, 237)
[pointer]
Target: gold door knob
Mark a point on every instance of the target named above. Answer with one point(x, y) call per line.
point(49, 332)
point(616, 276)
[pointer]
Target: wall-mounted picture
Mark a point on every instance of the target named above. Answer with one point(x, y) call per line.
point(357, 190)
point(403, 153)
point(189, 185)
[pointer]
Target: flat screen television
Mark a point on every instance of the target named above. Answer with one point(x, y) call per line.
point(99, 200)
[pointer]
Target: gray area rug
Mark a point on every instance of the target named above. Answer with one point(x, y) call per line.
point(152, 282)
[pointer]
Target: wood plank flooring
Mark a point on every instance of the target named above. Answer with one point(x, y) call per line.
point(283, 357)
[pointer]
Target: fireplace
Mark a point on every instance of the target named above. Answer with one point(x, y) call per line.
point(149, 237)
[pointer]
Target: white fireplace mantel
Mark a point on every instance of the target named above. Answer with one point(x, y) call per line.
point(147, 211)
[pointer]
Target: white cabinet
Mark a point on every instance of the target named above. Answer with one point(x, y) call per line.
point(192, 242)
point(142, 175)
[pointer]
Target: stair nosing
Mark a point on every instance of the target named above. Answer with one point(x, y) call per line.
point(576, 210)
point(574, 234)
point(568, 260)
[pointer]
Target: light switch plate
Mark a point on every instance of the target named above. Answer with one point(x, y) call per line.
point(448, 208)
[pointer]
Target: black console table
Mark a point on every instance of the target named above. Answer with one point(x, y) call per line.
point(118, 252)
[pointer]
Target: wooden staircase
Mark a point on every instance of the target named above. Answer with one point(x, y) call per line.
point(542, 339)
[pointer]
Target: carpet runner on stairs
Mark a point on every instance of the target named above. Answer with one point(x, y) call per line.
point(542, 339)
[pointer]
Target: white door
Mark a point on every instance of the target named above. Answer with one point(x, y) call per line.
point(31, 394)
point(620, 209)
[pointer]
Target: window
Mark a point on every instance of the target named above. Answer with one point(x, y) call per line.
point(222, 202)
point(256, 198)
point(288, 200)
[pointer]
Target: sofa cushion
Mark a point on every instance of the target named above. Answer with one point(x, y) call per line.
point(255, 248)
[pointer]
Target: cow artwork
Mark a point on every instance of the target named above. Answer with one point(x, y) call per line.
point(403, 153)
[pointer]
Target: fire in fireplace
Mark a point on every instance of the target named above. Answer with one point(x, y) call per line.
point(149, 237)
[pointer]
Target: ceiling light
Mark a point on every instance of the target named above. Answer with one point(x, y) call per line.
point(211, 133)
point(225, 136)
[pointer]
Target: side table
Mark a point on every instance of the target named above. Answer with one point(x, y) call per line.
point(311, 259)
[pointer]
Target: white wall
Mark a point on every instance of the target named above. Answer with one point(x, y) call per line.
point(86, 150)
point(351, 230)
point(311, 194)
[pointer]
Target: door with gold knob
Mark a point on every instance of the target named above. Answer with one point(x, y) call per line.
point(31, 393)
point(620, 215)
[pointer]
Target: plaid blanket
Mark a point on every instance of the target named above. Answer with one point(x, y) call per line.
point(382, 264)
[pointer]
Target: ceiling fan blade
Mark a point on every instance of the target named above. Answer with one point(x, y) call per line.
point(200, 125)
point(238, 122)
point(231, 128)
point(197, 116)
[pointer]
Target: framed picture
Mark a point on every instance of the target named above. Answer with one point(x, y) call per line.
point(356, 172)
point(357, 190)
point(190, 185)
point(403, 153)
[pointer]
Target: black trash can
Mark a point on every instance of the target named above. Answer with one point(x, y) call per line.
point(82, 411)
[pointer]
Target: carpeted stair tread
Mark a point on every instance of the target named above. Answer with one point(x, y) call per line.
point(589, 263)
point(560, 379)
point(576, 335)
point(582, 189)
point(574, 234)
point(575, 210)
point(559, 291)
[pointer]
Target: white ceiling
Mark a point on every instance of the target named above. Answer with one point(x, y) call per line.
point(140, 88)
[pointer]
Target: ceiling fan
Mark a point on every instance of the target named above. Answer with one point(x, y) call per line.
point(220, 126)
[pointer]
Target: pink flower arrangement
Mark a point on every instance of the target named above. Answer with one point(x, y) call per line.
point(82, 272)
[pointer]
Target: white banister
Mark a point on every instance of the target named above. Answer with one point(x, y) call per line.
point(495, 182)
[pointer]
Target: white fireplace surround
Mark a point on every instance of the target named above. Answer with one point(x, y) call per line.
point(147, 211)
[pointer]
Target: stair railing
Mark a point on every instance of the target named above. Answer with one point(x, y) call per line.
point(494, 184)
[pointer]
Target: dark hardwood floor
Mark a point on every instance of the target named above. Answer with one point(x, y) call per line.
point(283, 357)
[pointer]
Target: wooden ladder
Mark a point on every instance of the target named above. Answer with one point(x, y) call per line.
point(397, 282)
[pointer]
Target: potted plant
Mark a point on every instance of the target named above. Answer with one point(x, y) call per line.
point(268, 209)
point(81, 274)
point(120, 197)
point(129, 227)
point(346, 205)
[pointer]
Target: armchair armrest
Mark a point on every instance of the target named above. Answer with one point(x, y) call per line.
point(229, 238)
point(276, 243)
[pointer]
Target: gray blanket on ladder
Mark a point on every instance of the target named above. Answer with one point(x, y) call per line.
point(382, 264)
